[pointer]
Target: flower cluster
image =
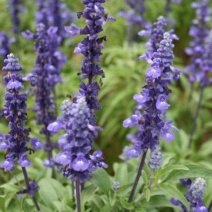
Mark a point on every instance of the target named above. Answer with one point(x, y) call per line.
point(194, 196)
point(199, 32)
point(152, 101)
point(15, 9)
point(76, 144)
point(45, 76)
point(156, 35)
point(91, 47)
point(15, 112)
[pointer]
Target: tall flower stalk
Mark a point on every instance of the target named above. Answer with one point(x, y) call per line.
point(150, 112)
point(199, 52)
point(45, 76)
point(15, 112)
point(79, 117)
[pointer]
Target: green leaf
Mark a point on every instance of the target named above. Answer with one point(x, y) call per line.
point(121, 173)
point(101, 179)
point(156, 201)
point(166, 171)
point(47, 192)
point(106, 208)
point(166, 159)
point(87, 194)
point(112, 198)
point(172, 191)
point(147, 194)
point(145, 178)
point(10, 187)
point(126, 204)
point(124, 190)
point(97, 202)
point(194, 171)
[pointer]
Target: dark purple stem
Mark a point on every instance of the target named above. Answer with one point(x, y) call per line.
point(138, 175)
point(78, 196)
point(26, 179)
point(195, 117)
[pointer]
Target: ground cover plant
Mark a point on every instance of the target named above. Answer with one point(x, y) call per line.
point(106, 105)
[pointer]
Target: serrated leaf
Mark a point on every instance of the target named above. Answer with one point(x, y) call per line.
point(172, 191)
point(101, 179)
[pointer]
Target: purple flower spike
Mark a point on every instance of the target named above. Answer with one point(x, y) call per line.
point(77, 142)
point(194, 195)
point(149, 115)
point(197, 46)
point(44, 77)
point(15, 112)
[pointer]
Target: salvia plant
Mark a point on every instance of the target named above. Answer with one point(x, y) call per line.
point(16, 142)
point(197, 69)
point(44, 77)
point(152, 101)
point(91, 169)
